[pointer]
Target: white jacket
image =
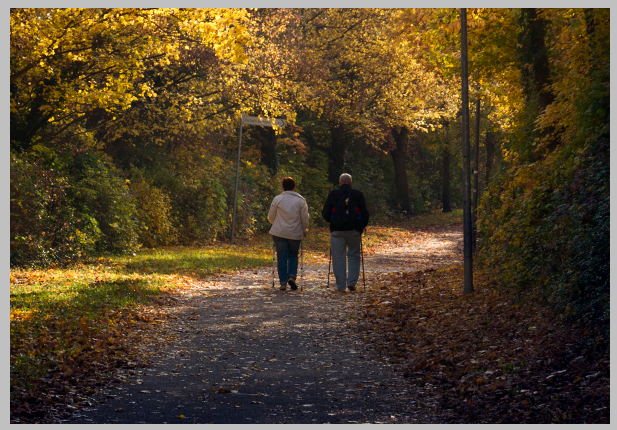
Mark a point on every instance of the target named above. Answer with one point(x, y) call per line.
point(289, 216)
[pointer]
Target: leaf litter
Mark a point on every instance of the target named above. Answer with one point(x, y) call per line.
point(486, 357)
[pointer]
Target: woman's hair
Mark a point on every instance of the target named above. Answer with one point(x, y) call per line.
point(289, 184)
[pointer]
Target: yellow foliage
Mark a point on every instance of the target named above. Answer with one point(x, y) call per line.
point(110, 49)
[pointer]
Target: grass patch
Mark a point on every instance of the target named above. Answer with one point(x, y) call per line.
point(198, 262)
point(58, 315)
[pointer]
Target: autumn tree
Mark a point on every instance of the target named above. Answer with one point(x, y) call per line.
point(77, 69)
point(377, 93)
point(544, 221)
point(153, 88)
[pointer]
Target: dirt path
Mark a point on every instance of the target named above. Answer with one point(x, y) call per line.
point(237, 351)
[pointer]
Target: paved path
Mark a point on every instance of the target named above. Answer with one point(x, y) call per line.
point(238, 351)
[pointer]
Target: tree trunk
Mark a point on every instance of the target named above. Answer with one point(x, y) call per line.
point(266, 136)
point(399, 156)
point(467, 230)
point(447, 207)
point(490, 142)
point(338, 145)
point(535, 68)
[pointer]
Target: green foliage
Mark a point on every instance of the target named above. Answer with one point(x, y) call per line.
point(374, 176)
point(314, 186)
point(153, 213)
point(545, 223)
point(423, 196)
point(98, 190)
point(311, 182)
point(256, 190)
point(68, 206)
point(425, 168)
point(45, 226)
point(544, 230)
point(195, 185)
point(199, 209)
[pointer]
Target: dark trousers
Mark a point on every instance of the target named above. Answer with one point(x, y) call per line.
point(287, 258)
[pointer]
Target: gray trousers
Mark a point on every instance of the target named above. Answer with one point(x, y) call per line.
point(341, 243)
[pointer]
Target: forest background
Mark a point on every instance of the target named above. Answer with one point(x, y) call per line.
point(124, 129)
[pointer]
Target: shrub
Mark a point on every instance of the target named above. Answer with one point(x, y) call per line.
point(154, 213)
point(45, 227)
point(99, 191)
point(199, 208)
point(545, 229)
point(314, 187)
point(197, 197)
point(311, 182)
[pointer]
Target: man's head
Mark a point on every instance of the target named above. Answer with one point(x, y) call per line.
point(345, 178)
point(289, 184)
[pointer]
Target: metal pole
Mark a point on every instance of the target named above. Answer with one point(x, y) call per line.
point(467, 229)
point(273, 252)
point(329, 262)
point(474, 214)
point(362, 255)
point(301, 267)
point(233, 223)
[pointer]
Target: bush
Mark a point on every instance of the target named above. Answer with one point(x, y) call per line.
point(99, 191)
point(154, 213)
point(199, 209)
point(45, 227)
point(197, 197)
point(311, 182)
point(545, 230)
point(314, 186)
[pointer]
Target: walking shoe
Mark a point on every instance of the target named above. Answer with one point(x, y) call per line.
point(351, 287)
point(292, 282)
point(283, 287)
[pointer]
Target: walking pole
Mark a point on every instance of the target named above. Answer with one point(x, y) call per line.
point(301, 267)
point(362, 257)
point(273, 248)
point(329, 262)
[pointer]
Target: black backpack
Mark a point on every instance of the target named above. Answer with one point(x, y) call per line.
point(346, 214)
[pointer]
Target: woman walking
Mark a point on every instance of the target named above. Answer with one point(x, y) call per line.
point(289, 218)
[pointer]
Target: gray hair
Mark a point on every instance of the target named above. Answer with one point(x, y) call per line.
point(345, 179)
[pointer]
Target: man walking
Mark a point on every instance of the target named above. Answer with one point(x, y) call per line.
point(345, 210)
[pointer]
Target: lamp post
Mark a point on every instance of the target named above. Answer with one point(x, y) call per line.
point(467, 228)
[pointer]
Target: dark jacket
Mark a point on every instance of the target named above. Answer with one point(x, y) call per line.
point(336, 198)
